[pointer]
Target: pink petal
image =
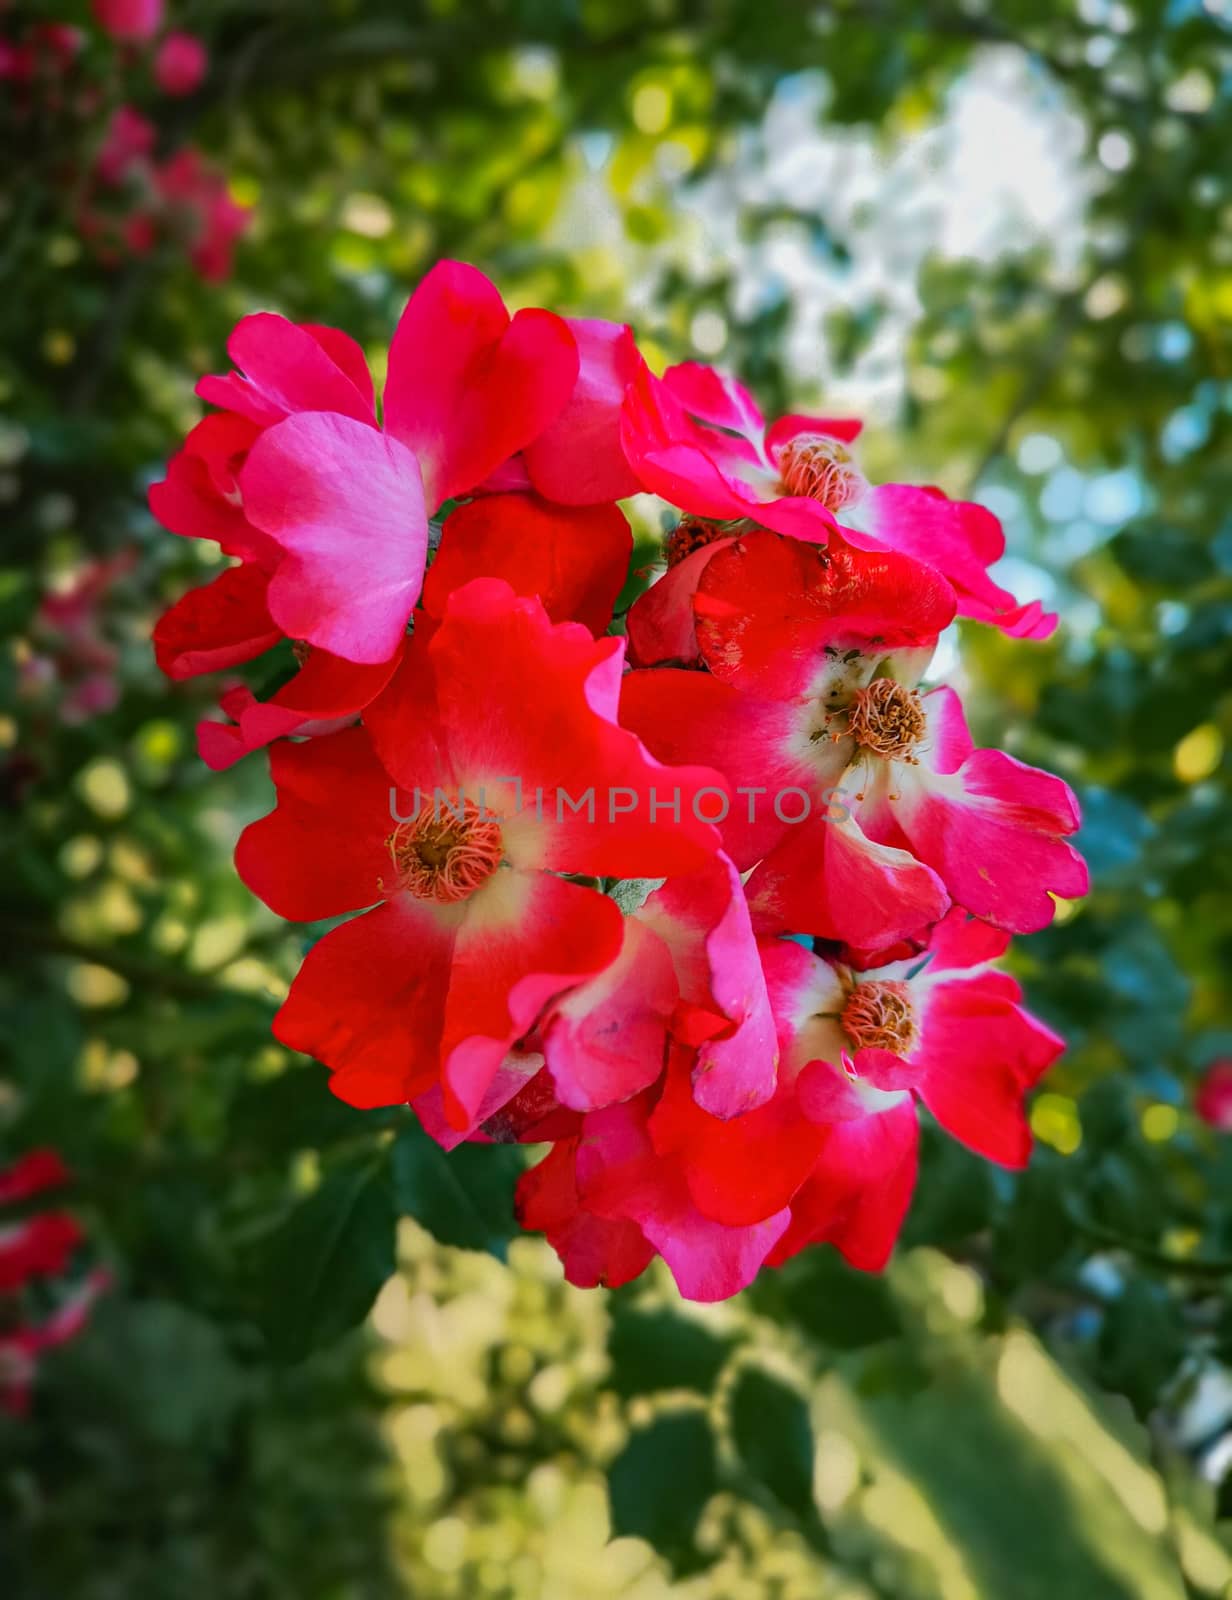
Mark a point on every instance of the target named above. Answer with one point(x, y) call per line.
point(685, 476)
point(961, 539)
point(978, 1055)
point(994, 831)
point(704, 921)
point(286, 369)
point(345, 503)
point(519, 1070)
point(506, 969)
point(716, 397)
point(578, 459)
point(607, 1040)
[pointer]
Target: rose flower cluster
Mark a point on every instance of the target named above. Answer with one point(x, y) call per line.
point(709, 907)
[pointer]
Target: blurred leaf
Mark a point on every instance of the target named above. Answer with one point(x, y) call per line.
point(774, 1437)
point(841, 1307)
point(953, 1194)
point(1142, 1344)
point(165, 1368)
point(1163, 555)
point(652, 1350)
point(660, 1482)
point(1113, 832)
point(292, 1111)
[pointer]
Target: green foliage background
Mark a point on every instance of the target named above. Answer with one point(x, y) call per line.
point(1032, 1402)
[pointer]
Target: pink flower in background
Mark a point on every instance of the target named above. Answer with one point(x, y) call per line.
point(38, 1246)
point(1213, 1101)
point(31, 1174)
point(21, 1348)
point(47, 48)
point(180, 64)
point(73, 657)
point(129, 140)
point(196, 203)
point(130, 21)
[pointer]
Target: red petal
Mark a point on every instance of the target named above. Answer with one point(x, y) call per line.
point(369, 1002)
point(828, 879)
point(526, 938)
point(740, 1171)
point(594, 1251)
point(770, 611)
point(574, 559)
point(325, 692)
point(322, 850)
point(220, 624)
point(548, 716)
point(467, 387)
point(860, 1190)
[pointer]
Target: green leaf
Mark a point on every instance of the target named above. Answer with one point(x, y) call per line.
point(462, 1197)
point(774, 1437)
point(323, 1265)
point(654, 1350)
point(660, 1482)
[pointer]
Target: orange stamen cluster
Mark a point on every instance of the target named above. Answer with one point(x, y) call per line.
point(820, 468)
point(879, 1016)
point(446, 852)
point(887, 719)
